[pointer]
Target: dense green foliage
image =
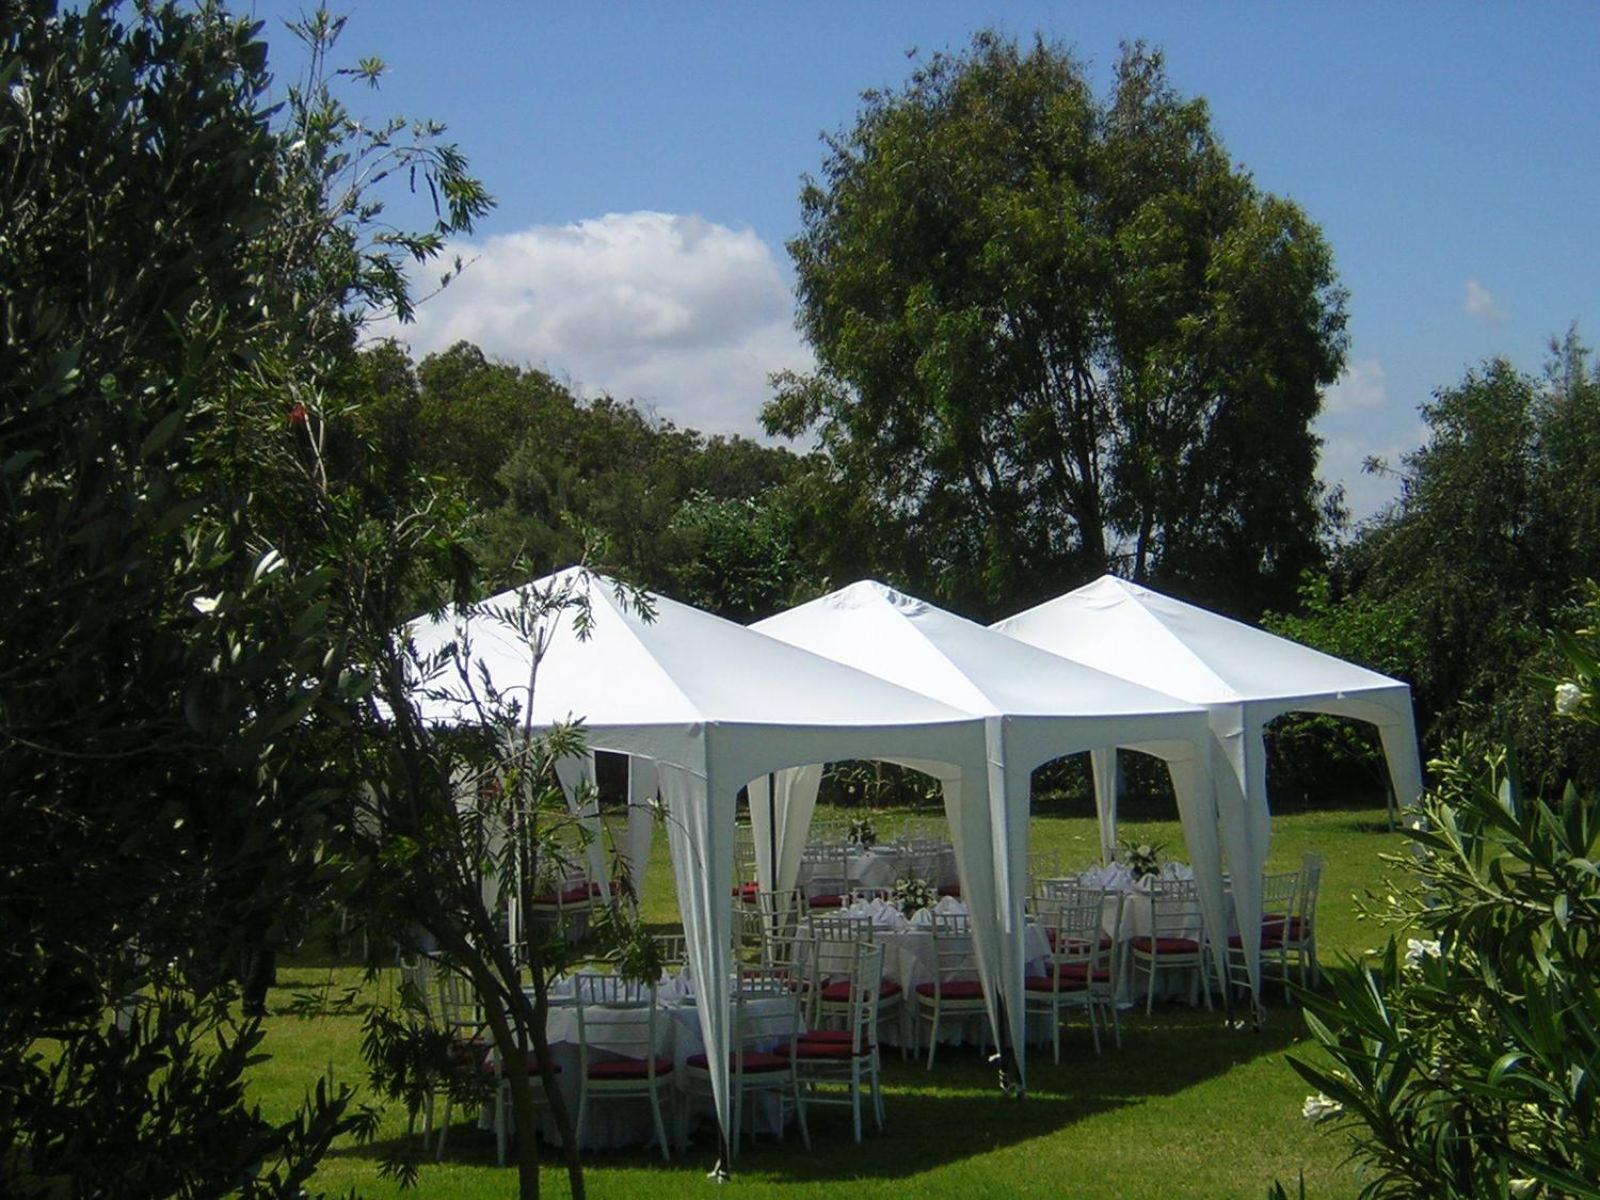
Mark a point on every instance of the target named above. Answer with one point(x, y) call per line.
point(1456, 588)
point(714, 520)
point(1470, 1064)
point(1059, 334)
point(180, 269)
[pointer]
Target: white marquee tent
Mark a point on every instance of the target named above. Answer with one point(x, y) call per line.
point(1035, 707)
point(1244, 677)
point(714, 706)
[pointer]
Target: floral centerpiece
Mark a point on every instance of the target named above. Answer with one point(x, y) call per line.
point(911, 893)
point(862, 833)
point(1143, 860)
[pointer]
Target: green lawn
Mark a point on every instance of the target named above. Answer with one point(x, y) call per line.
point(1185, 1108)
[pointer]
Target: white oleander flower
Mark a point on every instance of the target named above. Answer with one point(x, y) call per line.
point(1419, 949)
point(1569, 699)
point(204, 604)
point(1521, 1189)
point(1320, 1108)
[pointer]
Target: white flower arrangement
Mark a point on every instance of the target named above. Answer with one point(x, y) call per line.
point(1320, 1108)
point(862, 833)
point(911, 893)
point(1569, 699)
point(1143, 861)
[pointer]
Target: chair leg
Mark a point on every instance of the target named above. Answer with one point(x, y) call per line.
point(1150, 993)
point(855, 1096)
point(500, 1124)
point(877, 1092)
point(933, 1035)
point(661, 1128)
point(444, 1129)
point(800, 1111)
point(583, 1113)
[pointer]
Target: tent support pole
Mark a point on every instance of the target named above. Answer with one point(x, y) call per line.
point(772, 842)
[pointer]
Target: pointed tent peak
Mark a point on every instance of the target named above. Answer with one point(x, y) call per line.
point(953, 659)
point(1157, 640)
point(665, 663)
point(865, 592)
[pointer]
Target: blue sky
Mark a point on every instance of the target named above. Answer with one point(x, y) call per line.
point(647, 160)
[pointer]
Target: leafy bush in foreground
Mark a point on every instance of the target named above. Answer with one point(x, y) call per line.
point(1467, 1062)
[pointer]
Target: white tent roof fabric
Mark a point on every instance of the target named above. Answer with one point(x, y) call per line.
point(714, 705)
point(1244, 677)
point(1036, 707)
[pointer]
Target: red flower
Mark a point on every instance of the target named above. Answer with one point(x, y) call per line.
point(297, 415)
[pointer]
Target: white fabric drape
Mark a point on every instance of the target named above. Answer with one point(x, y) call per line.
point(793, 801)
point(1103, 764)
point(701, 843)
point(576, 774)
point(642, 788)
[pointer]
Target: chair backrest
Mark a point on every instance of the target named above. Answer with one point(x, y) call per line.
point(773, 992)
point(1181, 888)
point(863, 976)
point(833, 939)
point(1280, 894)
point(458, 1003)
point(952, 946)
point(1074, 931)
point(674, 951)
point(825, 872)
point(1068, 888)
point(780, 911)
point(1310, 888)
point(1177, 915)
point(629, 1009)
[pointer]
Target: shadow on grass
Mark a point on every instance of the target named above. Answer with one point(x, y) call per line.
point(955, 1111)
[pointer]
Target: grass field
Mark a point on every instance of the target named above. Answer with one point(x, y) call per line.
point(1185, 1108)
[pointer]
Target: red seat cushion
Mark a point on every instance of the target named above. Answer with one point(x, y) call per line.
point(1166, 945)
point(839, 992)
point(629, 1068)
point(804, 1049)
point(1277, 922)
point(951, 889)
point(1050, 936)
point(747, 892)
point(826, 902)
point(1077, 972)
point(952, 989)
point(596, 890)
point(532, 1065)
point(1269, 941)
point(754, 1061)
point(573, 895)
point(826, 1035)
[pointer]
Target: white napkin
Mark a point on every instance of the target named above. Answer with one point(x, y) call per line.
point(1176, 870)
point(949, 905)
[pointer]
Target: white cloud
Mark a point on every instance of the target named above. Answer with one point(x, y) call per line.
point(1481, 305)
point(1343, 458)
point(686, 316)
point(1363, 385)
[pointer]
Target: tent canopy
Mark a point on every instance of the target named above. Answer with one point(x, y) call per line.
point(1244, 677)
point(1036, 707)
point(714, 705)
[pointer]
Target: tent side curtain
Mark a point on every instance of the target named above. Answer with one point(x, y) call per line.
point(576, 774)
point(642, 788)
point(700, 836)
point(792, 802)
